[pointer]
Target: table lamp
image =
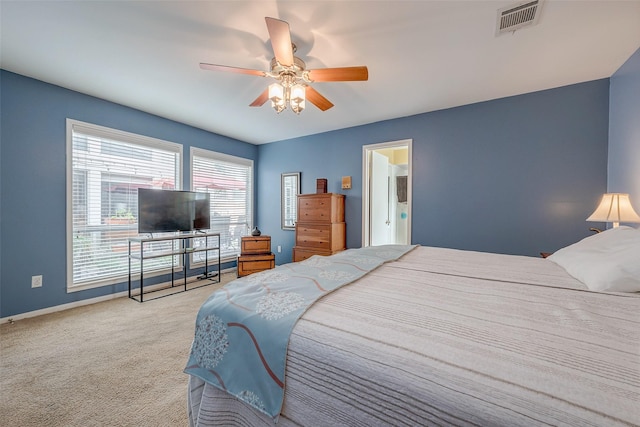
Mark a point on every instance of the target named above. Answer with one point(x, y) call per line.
point(616, 208)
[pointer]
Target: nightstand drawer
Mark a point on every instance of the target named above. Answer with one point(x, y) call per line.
point(248, 264)
point(255, 245)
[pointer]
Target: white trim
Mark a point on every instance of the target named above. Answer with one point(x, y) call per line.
point(69, 205)
point(89, 301)
point(366, 150)
point(201, 152)
point(120, 135)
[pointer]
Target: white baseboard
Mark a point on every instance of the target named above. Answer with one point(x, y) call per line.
point(95, 300)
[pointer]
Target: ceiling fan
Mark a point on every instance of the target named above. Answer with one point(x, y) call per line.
point(293, 79)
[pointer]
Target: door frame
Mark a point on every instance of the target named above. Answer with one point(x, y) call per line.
point(366, 171)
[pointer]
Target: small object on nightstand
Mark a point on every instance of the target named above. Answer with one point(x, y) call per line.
point(321, 185)
point(545, 254)
point(256, 231)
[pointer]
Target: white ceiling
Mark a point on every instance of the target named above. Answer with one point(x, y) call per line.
point(422, 55)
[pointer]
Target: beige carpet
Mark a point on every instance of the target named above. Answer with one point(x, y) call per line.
point(114, 363)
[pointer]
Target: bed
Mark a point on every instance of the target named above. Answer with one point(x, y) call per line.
point(450, 337)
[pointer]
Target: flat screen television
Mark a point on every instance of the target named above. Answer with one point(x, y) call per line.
point(172, 210)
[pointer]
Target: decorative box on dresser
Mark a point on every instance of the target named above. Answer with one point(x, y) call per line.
point(320, 229)
point(255, 255)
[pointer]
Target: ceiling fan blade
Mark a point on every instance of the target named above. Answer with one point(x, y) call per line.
point(215, 67)
point(345, 74)
point(314, 97)
point(280, 41)
point(261, 99)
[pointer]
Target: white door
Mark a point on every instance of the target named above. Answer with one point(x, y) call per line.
point(381, 229)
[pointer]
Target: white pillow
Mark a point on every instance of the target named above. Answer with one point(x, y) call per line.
point(607, 261)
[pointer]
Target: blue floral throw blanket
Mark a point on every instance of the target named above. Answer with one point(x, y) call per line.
point(242, 330)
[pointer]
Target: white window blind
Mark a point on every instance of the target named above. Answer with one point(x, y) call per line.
point(289, 201)
point(228, 180)
point(106, 169)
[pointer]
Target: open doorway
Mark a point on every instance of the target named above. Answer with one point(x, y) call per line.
point(386, 199)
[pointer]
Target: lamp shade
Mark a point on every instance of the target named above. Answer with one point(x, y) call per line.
point(276, 93)
point(297, 93)
point(616, 208)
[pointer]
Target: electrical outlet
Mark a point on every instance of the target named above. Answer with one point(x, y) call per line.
point(36, 281)
point(279, 248)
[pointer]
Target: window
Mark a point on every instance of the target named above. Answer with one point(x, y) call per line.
point(106, 168)
point(228, 179)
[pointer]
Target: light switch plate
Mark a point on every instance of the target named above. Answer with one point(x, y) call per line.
point(36, 281)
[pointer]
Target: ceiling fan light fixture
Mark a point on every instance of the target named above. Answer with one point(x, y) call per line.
point(297, 98)
point(286, 93)
point(297, 106)
point(276, 95)
point(297, 93)
point(279, 106)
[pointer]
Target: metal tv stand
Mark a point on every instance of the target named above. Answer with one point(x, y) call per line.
point(141, 248)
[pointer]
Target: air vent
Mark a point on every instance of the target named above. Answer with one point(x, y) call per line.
point(518, 15)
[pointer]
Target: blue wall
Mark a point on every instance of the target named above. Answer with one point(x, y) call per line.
point(516, 175)
point(624, 131)
point(33, 187)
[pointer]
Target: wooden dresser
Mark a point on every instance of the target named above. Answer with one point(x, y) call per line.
point(255, 255)
point(320, 229)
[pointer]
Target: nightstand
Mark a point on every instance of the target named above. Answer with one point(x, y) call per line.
point(255, 255)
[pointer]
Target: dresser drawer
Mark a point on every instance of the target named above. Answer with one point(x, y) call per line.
point(255, 245)
point(300, 254)
point(313, 235)
point(326, 208)
point(314, 210)
point(330, 237)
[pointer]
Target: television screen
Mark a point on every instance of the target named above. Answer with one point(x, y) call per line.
point(169, 210)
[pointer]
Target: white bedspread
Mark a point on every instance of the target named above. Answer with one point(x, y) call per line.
point(447, 337)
